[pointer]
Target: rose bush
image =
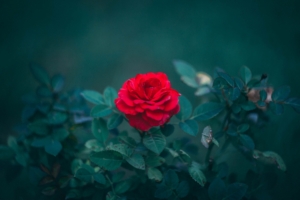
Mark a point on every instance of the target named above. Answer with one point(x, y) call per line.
point(74, 151)
point(148, 100)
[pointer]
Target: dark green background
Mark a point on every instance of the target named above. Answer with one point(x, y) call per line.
point(99, 43)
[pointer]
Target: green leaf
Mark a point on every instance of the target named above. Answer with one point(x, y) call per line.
point(245, 74)
point(243, 128)
point(167, 129)
point(239, 83)
point(294, 102)
point(215, 142)
point(247, 142)
point(50, 190)
point(202, 91)
point(101, 111)
point(118, 176)
point(263, 95)
point(128, 140)
point(112, 196)
point(184, 69)
point(154, 141)
point(185, 108)
point(57, 82)
point(248, 106)
point(100, 178)
point(236, 108)
point(60, 134)
point(27, 112)
point(189, 81)
point(183, 189)
point(123, 186)
point(171, 179)
point(163, 192)
point(216, 72)
point(136, 160)
point(40, 142)
point(53, 147)
point(22, 158)
point(153, 160)
point(12, 143)
point(75, 165)
point(190, 126)
point(261, 103)
point(43, 91)
point(73, 194)
point(217, 189)
point(232, 130)
point(279, 161)
point(207, 111)
point(99, 130)
point(234, 93)
point(110, 160)
point(123, 149)
point(172, 152)
point(43, 107)
point(197, 174)
point(281, 93)
point(55, 118)
point(93, 97)
point(110, 94)
point(88, 167)
point(84, 175)
point(6, 153)
point(39, 127)
point(114, 121)
point(227, 78)
point(223, 170)
point(184, 156)
point(94, 145)
point(40, 74)
point(236, 191)
point(276, 108)
point(154, 174)
point(177, 144)
point(220, 83)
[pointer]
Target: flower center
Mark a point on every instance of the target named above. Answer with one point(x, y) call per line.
point(151, 83)
point(151, 86)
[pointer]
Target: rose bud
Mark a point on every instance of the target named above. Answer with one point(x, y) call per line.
point(148, 100)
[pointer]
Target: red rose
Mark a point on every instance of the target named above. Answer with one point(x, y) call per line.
point(148, 100)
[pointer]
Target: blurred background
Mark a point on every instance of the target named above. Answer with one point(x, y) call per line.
point(95, 43)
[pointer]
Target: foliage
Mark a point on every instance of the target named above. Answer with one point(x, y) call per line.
point(75, 145)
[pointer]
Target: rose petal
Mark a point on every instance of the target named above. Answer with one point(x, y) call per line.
point(173, 102)
point(156, 115)
point(123, 94)
point(138, 122)
point(123, 107)
point(153, 122)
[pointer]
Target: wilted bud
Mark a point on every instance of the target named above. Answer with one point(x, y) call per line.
point(203, 79)
point(254, 95)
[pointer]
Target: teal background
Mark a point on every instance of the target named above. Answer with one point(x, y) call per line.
point(99, 43)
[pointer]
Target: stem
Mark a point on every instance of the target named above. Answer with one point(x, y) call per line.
point(224, 128)
point(207, 156)
point(224, 96)
point(111, 183)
